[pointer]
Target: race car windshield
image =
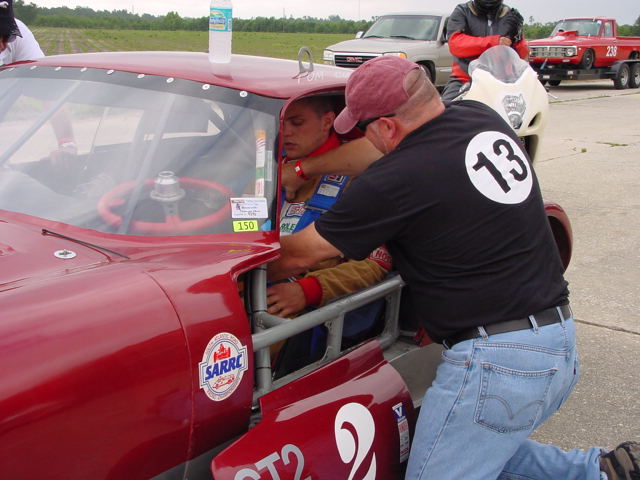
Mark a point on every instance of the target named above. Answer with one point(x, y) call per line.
point(133, 154)
point(583, 27)
point(413, 27)
point(501, 62)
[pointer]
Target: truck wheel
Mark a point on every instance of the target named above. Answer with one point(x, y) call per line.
point(622, 77)
point(587, 59)
point(554, 83)
point(634, 79)
point(431, 75)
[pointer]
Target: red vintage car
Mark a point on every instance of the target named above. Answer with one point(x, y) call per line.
point(138, 209)
point(587, 49)
point(584, 43)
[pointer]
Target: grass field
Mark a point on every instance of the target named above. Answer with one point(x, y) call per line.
point(55, 41)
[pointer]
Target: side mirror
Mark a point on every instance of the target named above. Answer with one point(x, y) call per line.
point(359, 34)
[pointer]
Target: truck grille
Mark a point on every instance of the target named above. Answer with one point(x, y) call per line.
point(352, 60)
point(548, 52)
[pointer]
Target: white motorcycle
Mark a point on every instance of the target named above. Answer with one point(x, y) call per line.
point(506, 83)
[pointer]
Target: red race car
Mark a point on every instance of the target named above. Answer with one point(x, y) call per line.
point(138, 206)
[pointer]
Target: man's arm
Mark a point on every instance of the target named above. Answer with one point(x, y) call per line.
point(347, 277)
point(349, 159)
point(462, 45)
point(300, 252)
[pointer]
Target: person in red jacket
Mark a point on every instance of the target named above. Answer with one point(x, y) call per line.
point(474, 27)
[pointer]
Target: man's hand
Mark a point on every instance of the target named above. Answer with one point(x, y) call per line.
point(290, 181)
point(284, 299)
point(65, 156)
point(511, 26)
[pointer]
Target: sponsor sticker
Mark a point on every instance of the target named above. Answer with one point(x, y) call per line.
point(382, 257)
point(249, 207)
point(295, 209)
point(223, 365)
point(335, 178)
point(329, 190)
point(403, 431)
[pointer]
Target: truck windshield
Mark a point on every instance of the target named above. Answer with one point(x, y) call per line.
point(136, 154)
point(415, 27)
point(584, 27)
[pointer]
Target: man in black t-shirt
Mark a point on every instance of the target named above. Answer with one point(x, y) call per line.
point(457, 202)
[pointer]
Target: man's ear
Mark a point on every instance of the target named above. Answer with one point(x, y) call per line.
point(387, 126)
point(327, 120)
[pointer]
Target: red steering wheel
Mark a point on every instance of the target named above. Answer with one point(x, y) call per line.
point(172, 224)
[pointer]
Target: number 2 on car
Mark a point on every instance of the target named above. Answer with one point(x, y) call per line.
point(245, 226)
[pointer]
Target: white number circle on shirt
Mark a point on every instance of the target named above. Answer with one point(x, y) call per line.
point(498, 168)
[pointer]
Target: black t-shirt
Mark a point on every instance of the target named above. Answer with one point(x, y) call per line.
point(459, 207)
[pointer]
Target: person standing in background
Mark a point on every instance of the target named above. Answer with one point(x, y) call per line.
point(17, 43)
point(474, 27)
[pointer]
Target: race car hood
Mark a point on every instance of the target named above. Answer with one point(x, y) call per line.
point(28, 252)
point(35, 251)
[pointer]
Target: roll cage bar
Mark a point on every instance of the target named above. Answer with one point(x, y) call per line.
point(270, 329)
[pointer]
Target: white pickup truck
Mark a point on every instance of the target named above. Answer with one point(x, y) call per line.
point(419, 36)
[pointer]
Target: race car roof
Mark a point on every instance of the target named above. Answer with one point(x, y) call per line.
point(271, 77)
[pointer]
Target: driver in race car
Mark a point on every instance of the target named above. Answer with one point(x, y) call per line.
point(307, 132)
point(474, 27)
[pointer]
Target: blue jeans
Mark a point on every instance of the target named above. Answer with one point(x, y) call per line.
point(489, 394)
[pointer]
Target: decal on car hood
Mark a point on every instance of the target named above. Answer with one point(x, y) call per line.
point(223, 365)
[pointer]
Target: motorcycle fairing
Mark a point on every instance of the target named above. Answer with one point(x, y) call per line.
point(348, 419)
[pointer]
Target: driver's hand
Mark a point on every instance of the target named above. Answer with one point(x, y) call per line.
point(64, 155)
point(290, 181)
point(505, 41)
point(286, 298)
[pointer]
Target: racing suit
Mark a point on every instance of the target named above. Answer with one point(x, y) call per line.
point(329, 279)
point(470, 33)
point(334, 277)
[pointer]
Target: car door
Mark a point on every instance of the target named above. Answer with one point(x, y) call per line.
point(348, 419)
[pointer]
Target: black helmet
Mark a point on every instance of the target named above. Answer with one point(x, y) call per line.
point(487, 6)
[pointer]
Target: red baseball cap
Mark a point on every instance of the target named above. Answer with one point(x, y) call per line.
point(376, 88)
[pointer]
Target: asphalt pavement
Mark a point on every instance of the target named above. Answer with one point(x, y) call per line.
point(590, 164)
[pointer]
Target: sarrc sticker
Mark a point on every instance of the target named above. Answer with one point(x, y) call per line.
point(403, 431)
point(223, 365)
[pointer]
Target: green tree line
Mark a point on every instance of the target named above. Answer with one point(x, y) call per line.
point(82, 17)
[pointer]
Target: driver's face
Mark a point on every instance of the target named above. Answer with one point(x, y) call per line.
point(304, 130)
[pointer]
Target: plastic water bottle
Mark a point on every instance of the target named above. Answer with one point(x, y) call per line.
point(220, 20)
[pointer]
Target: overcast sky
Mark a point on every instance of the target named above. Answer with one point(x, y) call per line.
point(625, 11)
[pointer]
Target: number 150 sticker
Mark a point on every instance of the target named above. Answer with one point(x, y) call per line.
point(498, 168)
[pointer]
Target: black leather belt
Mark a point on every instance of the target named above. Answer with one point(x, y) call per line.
point(545, 317)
